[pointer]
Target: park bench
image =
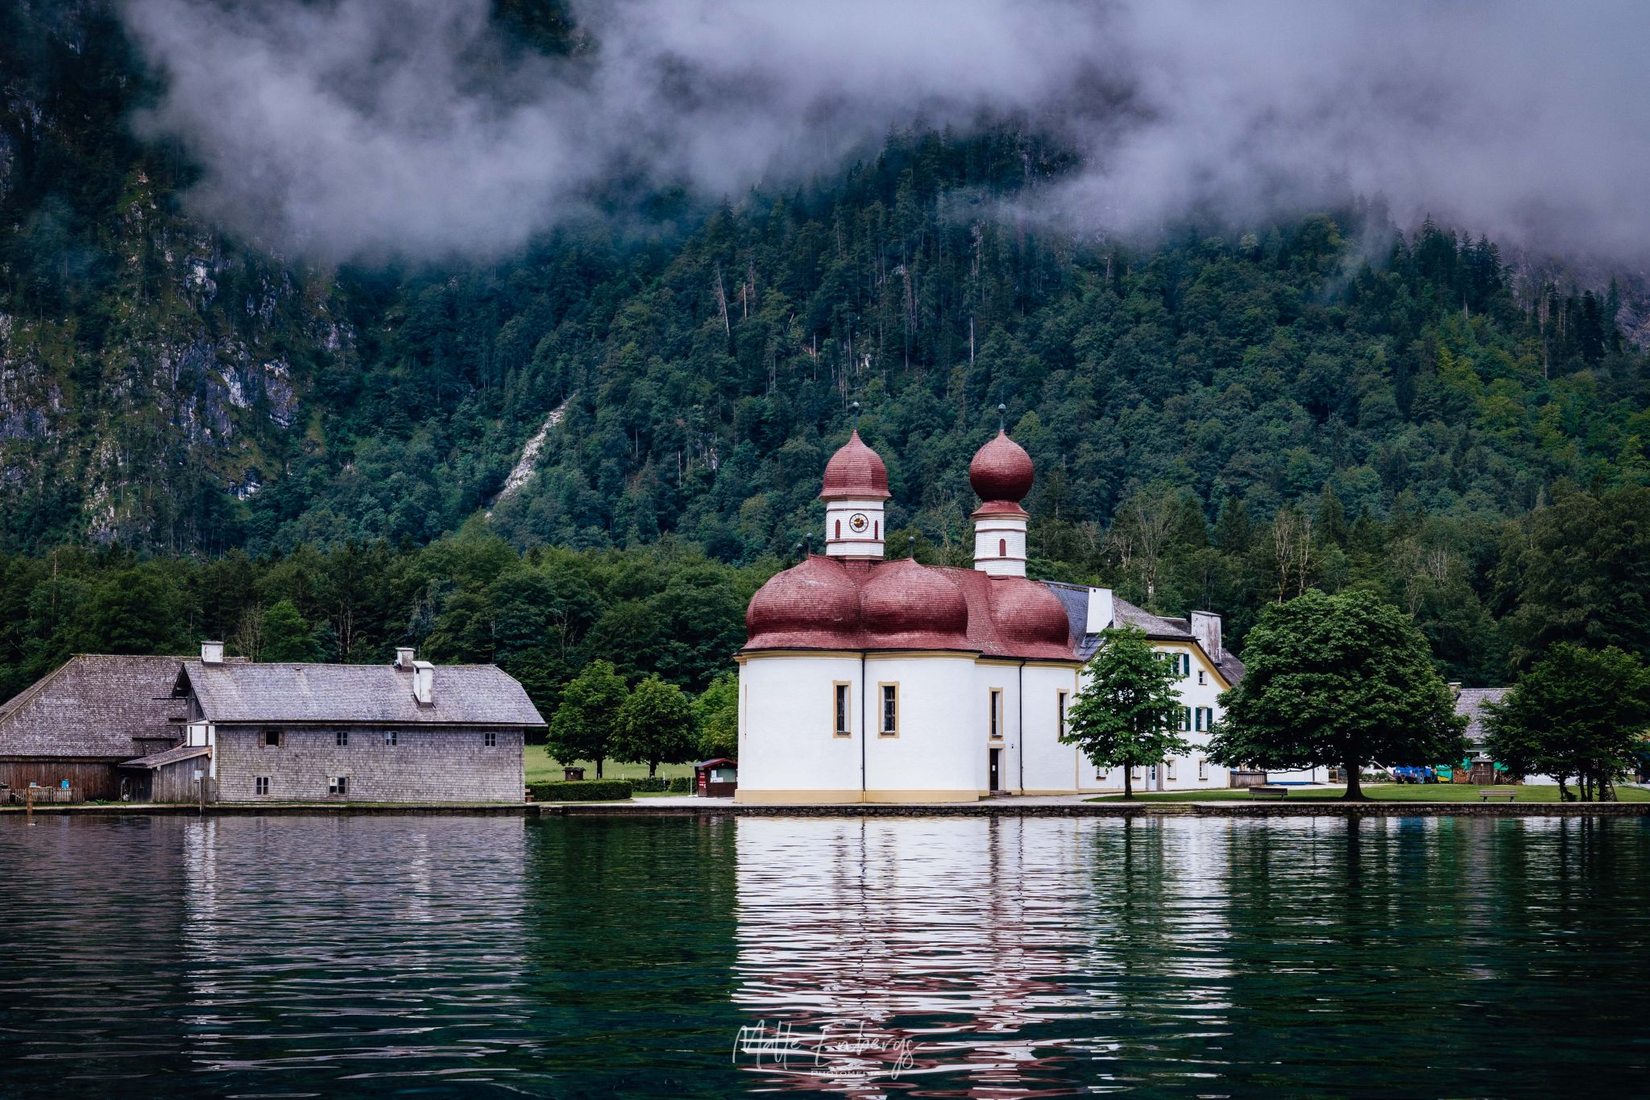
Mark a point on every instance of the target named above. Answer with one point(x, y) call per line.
point(1487, 793)
point(1268, 792)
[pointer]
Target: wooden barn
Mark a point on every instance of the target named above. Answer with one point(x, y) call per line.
point(81, 722)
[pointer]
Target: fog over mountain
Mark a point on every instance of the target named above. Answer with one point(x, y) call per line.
point(363, 129)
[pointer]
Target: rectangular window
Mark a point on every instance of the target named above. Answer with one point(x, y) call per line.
point(260, 785)
point(1202, 769)
point(272, 739)
point(841, 720)
point(1136, 774)
point(1202, 677)
point(343, 738)
point(996, 714)
point(390, 738)
point(1060, 713)
point(890, 710)
point(1168, 769)
point(338, 785)
point(1185, 719)
point(490, 739)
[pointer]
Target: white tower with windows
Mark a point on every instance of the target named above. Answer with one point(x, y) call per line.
point(1001, 475)
point(856, 489)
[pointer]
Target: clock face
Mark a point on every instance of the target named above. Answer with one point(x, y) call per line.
point(857, 523)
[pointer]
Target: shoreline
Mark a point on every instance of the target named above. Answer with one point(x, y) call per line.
point(723, 808)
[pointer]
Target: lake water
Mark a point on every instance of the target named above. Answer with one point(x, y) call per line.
point(430, 956)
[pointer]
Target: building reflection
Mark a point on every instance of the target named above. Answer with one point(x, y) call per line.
point(967, 956)
point(314, 945)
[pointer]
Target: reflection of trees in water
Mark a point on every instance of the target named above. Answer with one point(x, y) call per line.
point(1427, 954)
point(1157, 966)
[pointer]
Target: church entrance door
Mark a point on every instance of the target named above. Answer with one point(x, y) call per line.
point(996, 783)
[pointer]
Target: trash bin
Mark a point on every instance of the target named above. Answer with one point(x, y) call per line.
point(572, 775)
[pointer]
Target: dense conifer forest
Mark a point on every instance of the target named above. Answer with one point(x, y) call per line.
point(201, 438)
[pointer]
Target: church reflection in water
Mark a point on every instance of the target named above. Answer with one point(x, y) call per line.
point(970, 956)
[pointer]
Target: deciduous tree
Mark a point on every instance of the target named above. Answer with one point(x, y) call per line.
point(586, 721)
point(1577, 712)
point(1128, 713)
point(655, 726)
point(1344, 680)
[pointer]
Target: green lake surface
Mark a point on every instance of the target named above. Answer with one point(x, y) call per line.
point(487, 956)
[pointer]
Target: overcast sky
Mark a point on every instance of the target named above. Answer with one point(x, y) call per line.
point(378, 129)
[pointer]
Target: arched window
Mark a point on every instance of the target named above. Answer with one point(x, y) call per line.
point(838, 528)
point(876, 529)
point(1002, 548)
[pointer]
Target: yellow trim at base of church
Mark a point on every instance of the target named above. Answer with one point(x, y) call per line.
point(828, 798)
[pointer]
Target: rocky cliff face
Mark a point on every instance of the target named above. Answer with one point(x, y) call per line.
point(149, 371)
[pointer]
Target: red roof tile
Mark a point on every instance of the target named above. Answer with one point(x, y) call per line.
point(856, 472)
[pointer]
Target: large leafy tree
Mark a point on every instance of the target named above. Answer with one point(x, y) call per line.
point(1128, 714)
point(1346, 680)
point(587, 719)
point(655, 726)
point(1577, 712)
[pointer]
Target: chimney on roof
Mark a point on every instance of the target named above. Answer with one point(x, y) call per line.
point(403, 657)
point(211, 653)
point(1206, 629)
point(1102, 612)
point(424, 683)
point(1455, 689)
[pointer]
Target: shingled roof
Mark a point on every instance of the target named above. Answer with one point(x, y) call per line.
point(94, 706)
point(464, 695)
point(1075, 599)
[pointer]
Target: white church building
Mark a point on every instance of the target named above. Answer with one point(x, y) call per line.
point(865, 679)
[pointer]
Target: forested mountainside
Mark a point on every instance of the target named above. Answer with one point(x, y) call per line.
point(1221, 418)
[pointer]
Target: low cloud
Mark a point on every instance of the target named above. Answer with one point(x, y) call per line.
point(362, 130)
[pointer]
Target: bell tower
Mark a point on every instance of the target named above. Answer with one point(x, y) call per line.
point(1001, 475)
point(856, 487)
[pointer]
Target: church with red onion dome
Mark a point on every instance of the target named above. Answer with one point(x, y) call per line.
point(865, 679)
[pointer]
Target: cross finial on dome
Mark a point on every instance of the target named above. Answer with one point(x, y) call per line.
point(1002, 417)
point(854, 408)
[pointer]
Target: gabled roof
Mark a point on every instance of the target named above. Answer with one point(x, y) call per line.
point(464, 695)
point(1470, 702)
point(94, 706)
point(1075, 599)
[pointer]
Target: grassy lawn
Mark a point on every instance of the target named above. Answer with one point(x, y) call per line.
point(1381, 792)
point(542, 769)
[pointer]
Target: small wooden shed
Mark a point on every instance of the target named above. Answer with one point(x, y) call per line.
point(717, 778)
point(176, 775)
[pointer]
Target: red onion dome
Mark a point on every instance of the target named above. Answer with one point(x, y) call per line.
point(1001, 470)
point(814, 605)
point(855, 472)
point(911, 605)
point(1027, 614)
